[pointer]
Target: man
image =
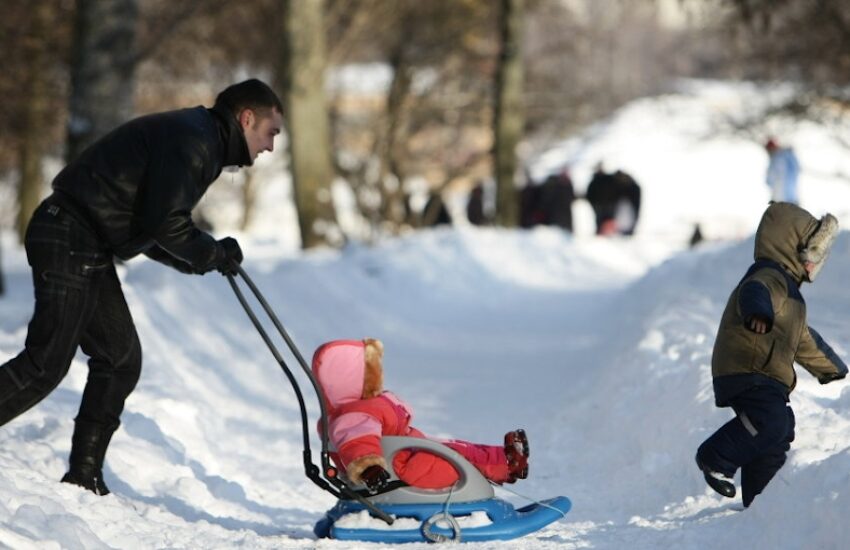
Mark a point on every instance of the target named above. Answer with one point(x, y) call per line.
point(132, 192)
point(783, 170)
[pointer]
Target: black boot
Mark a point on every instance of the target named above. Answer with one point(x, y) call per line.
point(717, 481)
point(88, 449)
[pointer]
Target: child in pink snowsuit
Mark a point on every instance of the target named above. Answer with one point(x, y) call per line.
point(350, 374)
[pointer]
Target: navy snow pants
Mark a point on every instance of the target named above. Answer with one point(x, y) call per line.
point(755, 441)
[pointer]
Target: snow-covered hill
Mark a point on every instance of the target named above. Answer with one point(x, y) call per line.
point(599, 348)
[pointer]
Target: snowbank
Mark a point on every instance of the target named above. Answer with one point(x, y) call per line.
point(599, 348)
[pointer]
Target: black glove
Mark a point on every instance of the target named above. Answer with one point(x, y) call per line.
point(229, 256)
point(375, 478)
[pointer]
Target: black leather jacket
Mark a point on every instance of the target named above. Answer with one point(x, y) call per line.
point(136, 186)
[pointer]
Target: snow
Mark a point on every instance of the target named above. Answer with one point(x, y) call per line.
point(599, 348)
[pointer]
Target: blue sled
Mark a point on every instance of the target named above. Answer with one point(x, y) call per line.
point(507, 522)
point(472, 493)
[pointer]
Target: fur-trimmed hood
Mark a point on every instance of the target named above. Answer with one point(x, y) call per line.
point(791, 236)
point(349, 370)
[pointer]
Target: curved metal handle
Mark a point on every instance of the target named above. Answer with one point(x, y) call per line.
point(329, 482)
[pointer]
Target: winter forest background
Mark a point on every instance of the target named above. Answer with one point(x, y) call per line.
point(390, 103)
point(391, 100)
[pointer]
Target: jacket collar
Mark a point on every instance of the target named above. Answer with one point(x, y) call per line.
point(793, 282)
point(234, 147)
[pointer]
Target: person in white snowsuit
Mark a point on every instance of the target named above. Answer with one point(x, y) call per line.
point(783, 170)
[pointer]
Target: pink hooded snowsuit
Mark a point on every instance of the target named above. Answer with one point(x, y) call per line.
point(356, 421)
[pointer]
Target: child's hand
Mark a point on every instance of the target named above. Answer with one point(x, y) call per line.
point(758, 324)
point(375, 478)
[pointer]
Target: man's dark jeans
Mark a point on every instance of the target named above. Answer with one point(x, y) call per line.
point(78, 302)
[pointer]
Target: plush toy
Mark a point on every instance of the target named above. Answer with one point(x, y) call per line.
point(350, 374)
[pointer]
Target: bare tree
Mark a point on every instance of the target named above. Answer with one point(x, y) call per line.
point(432, 121)
point(802, 41)
point(103, 68)
point(34, 116)
point(249, 199)
point(508, 119)
point(301, 77)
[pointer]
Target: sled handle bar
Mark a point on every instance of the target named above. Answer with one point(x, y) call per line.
point(336, 487)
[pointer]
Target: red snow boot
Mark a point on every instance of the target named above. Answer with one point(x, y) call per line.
point(516, 451)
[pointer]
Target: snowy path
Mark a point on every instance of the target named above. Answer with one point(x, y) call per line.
point(605, 366)
point(599, 348)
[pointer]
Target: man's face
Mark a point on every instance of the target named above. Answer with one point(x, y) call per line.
point(260, 129)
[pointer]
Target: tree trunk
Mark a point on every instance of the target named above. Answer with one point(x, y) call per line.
point(103, 67)
point(34, 118)
point(393, 197)
point(249, 199)
point(301, 77)
point(2, 280)
point(508, 120)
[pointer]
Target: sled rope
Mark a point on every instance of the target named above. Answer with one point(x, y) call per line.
point(446, 516)
point(528, 498)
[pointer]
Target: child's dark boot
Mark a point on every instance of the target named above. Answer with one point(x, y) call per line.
point(516, 451)
point(717, 481)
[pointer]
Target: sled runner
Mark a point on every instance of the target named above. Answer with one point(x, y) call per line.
point(440, 514)
point(466, 511)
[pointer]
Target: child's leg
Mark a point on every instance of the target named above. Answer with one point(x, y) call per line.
point(490, 460)
point(757, 474)
point(726, 449)
point(760, 426)
point(426, 470)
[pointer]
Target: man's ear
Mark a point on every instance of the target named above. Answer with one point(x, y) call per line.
point(246, 118)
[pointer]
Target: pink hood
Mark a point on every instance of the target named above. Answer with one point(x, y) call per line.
point(339, 368)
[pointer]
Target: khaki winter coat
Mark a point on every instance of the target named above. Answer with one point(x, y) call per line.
point(770, 289)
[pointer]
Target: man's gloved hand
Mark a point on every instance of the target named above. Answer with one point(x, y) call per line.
point(229, 256)
point(375, 478)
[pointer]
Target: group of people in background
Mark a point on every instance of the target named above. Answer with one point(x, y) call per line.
point(614, 197)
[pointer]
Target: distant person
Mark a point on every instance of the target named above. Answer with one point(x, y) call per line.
point(529, 197)
point(628, 206)
point(435, 212)
point(696, 236)
point(475, 206)
point(602, 195)
point(129, 193)
point(555, 201)
point(615, 199)
point(762, 333)
point(549, 202)
point(783, 170)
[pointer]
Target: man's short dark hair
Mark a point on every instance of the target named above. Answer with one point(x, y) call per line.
point(251, 94)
